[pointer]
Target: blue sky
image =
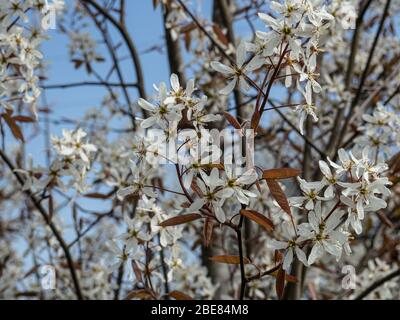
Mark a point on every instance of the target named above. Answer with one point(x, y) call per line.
point(145, 26)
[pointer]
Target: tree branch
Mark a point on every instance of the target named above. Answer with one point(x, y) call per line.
point(51, 225)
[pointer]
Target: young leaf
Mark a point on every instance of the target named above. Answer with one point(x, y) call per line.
point(258, 218)
point(288, 277)
point(77, 63)
point(144, 294)
point(282, 173)
point(23, 119)
point(177, 295)
point(137, 271)
point(220, 35)
point(96, 195)
point(188, 40)
point(208, 231)
point(255, 119)
point(180, 220)
point(280, 283)
point(229, 259)
point(15, 129)
point(279, 196)
point(232, 120)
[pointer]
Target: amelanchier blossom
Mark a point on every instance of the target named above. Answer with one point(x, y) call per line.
point(238, 73)
point(291, 246)
point(144, 204)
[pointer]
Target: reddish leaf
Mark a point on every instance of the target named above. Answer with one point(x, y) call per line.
point(279, 196)
point(143, 294)
point(288, 277)
point(278, 257)
point(208, 231)
point(255, 119)
point(97, 195)
point(137, 271)
point(177, 295)
point(258, 218)
point(185, 204)
point(232, 120)
point(196, 188)
point(23, 119)
point(229, 259)
point(180, 220)
point(188, 40)
point(280, 283)
point(15, 129)
point(77, 63)
point(220, 35)
point(26, 294)
point(214, 165)
point(189, 27)
point(282, 173)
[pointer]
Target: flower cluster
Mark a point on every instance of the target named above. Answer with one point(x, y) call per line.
point(147, 203)
point(20, 56)
point(336, 206)
point(380, 131)
point(294, 41)
point(73, 159)
point(143, 232)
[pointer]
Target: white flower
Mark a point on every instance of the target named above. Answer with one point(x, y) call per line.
point(238, 73)
point(347, 160)
point(281, 31)
point(330, 179)
point(122, 257)
point(310, 192)
point(355, 216)
point(31, 177)
point(137, 181)
point(290, 245)
point(308, 74)
point(72, 145)
point(321, 229)
point(234, 185)
point(305, 111)
point(168, 235)
point(365, 193)
point(347, 15)
point(162, 114)
point(134, 235)
point(211, 194)
point(177, 95)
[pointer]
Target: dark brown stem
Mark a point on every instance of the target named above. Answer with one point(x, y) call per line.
point(51, 225)
point(377, 284)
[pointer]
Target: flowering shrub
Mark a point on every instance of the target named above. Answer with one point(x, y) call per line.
point(268, 172)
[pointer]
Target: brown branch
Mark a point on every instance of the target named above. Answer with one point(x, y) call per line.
point(241, 259)
point(87, 83)
point(51, 225)
point(175, 59)
point(377, 284)
point(128, 41)
point(108, 41)
point(341, 133)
